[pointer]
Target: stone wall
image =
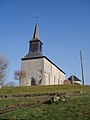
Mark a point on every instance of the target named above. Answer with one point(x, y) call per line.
point(51, 74)
point(42, 71)
point(33, 69)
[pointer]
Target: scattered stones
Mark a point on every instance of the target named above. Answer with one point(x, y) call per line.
point(55, 99)
point(62, 97)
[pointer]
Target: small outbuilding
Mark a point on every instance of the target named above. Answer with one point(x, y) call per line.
point(74, 80)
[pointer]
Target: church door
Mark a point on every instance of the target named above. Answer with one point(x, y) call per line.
point(33, 82)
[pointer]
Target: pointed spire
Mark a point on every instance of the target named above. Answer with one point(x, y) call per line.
point(36, 31)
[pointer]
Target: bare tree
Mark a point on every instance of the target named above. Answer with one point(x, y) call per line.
point(19, 74)
point(3, 69)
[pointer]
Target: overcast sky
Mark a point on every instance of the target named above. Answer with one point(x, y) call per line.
point(64, 28)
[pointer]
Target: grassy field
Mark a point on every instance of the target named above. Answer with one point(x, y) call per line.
point(77, 107)
point(43, 89)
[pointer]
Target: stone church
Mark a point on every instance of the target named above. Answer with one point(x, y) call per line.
point(39, 70)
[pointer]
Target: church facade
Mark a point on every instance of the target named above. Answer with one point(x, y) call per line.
point(38, 68)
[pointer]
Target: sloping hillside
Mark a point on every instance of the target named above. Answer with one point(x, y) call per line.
point(27, 103)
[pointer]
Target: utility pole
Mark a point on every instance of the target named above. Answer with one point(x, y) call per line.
point(82, 68)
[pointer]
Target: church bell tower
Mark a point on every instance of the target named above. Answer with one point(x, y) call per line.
point(35, 45)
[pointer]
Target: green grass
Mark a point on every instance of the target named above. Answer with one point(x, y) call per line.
point(12, 101)
point(42, 89)
point(76, 108)
point(19, 100)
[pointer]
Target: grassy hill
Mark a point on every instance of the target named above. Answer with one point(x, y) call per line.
point(43, 89)
point(76, 107)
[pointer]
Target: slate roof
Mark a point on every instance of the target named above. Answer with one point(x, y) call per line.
point(32, 55)
point(75, 78)
point(36, 32)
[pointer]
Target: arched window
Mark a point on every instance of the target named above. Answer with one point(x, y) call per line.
point(33, 82)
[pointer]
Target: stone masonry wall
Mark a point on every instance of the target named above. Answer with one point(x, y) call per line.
point(52, 75)
point(41, 69)
point(33, 69)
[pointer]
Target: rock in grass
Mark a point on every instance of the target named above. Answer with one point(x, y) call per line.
point(55, 99)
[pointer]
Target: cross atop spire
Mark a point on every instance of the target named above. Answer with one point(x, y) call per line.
point(36, 31)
